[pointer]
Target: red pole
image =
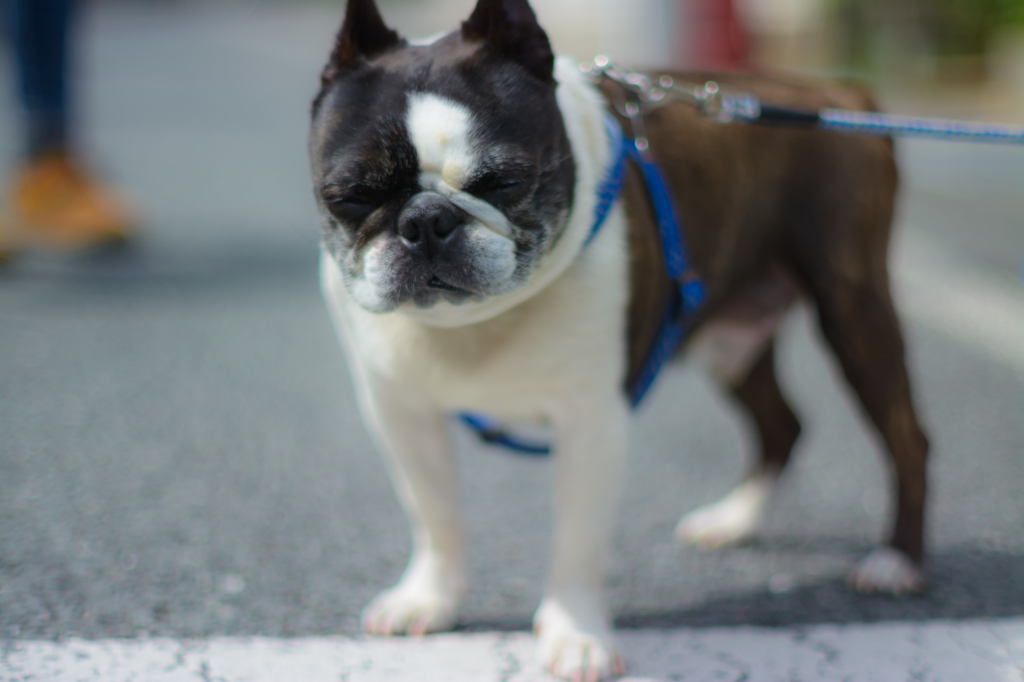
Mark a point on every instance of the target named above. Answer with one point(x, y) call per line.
point(716, 37)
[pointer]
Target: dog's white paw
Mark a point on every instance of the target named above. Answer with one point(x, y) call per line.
point(733, 518)
point(404, 611)
point(575, 648)
point(887, 569)
point(425, 600)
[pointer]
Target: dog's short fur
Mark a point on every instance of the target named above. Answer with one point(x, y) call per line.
point(457, 183)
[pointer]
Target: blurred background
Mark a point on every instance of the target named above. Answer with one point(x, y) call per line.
point(179, 448)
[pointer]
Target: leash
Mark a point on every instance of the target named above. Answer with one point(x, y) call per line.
point(727, 106)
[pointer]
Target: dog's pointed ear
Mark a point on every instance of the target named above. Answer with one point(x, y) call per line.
point(510, 27)
point(362, 34)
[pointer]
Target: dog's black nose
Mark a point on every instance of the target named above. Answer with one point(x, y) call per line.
point(428, 217)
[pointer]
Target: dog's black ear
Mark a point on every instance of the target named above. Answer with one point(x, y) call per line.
point(510, 27)
point(363, 34)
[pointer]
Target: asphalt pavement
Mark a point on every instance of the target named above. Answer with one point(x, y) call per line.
point(180, 453)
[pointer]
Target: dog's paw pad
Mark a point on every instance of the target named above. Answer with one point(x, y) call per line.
point(730, 520)
point(405, 611)
point(887, 569)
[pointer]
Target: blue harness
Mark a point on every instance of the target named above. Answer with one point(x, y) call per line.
point(686, 299)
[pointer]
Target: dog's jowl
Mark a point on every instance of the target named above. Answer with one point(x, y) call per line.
point(457, 182)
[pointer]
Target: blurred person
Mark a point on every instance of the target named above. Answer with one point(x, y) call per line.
point(53, 200)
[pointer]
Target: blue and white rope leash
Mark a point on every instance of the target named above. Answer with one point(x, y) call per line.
point(723, 105)
point(872, 123)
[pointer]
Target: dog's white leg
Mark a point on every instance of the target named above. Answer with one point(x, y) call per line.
point(887, 569)
point(572, 623)
point(732, 519)
point(413, 436)
point(742, 355)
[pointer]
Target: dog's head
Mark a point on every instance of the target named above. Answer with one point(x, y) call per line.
point(442, 171)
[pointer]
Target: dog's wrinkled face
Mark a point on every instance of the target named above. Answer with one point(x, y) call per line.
point(443, 171)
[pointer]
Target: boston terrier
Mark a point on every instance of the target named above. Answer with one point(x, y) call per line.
point(457, 181)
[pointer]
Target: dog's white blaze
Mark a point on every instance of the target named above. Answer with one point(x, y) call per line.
point(440, 131)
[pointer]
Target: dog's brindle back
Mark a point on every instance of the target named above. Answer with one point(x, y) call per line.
point(771, 213)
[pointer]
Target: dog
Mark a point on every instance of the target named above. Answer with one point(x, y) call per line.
point(457, 183)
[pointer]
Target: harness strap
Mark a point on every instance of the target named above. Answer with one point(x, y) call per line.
point(611, 186)
point(489, 430)
point(686, 298)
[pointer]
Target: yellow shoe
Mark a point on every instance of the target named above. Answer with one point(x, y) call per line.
point(5, 229)
point(56, 204)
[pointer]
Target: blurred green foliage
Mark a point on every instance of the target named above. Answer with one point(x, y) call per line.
point(966, 27)
point(940, 28)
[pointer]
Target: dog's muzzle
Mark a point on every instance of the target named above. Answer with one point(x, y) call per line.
point(430, 227)
point(428, 223)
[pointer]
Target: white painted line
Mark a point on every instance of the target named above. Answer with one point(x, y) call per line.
point(970, 306)
point(940, 650)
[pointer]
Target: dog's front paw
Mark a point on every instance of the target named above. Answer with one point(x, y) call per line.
point(573, 650)
point(730, 520)
point(887, 569)
point(403, 610)
point(425, 600)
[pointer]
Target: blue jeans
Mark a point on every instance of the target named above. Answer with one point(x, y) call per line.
point(39, 32)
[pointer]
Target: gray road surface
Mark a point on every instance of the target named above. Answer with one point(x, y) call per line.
point(180, 453)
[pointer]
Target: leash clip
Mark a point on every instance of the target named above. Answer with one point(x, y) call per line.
point(635, 114)
point(710, 99)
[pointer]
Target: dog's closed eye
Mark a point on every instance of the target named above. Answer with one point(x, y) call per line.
point(500, 189)
point(351, 205)
point(351, 211)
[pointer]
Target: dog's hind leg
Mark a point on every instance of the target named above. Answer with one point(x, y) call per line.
point(859, 321)
point(839, 235)
point(736, 516)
